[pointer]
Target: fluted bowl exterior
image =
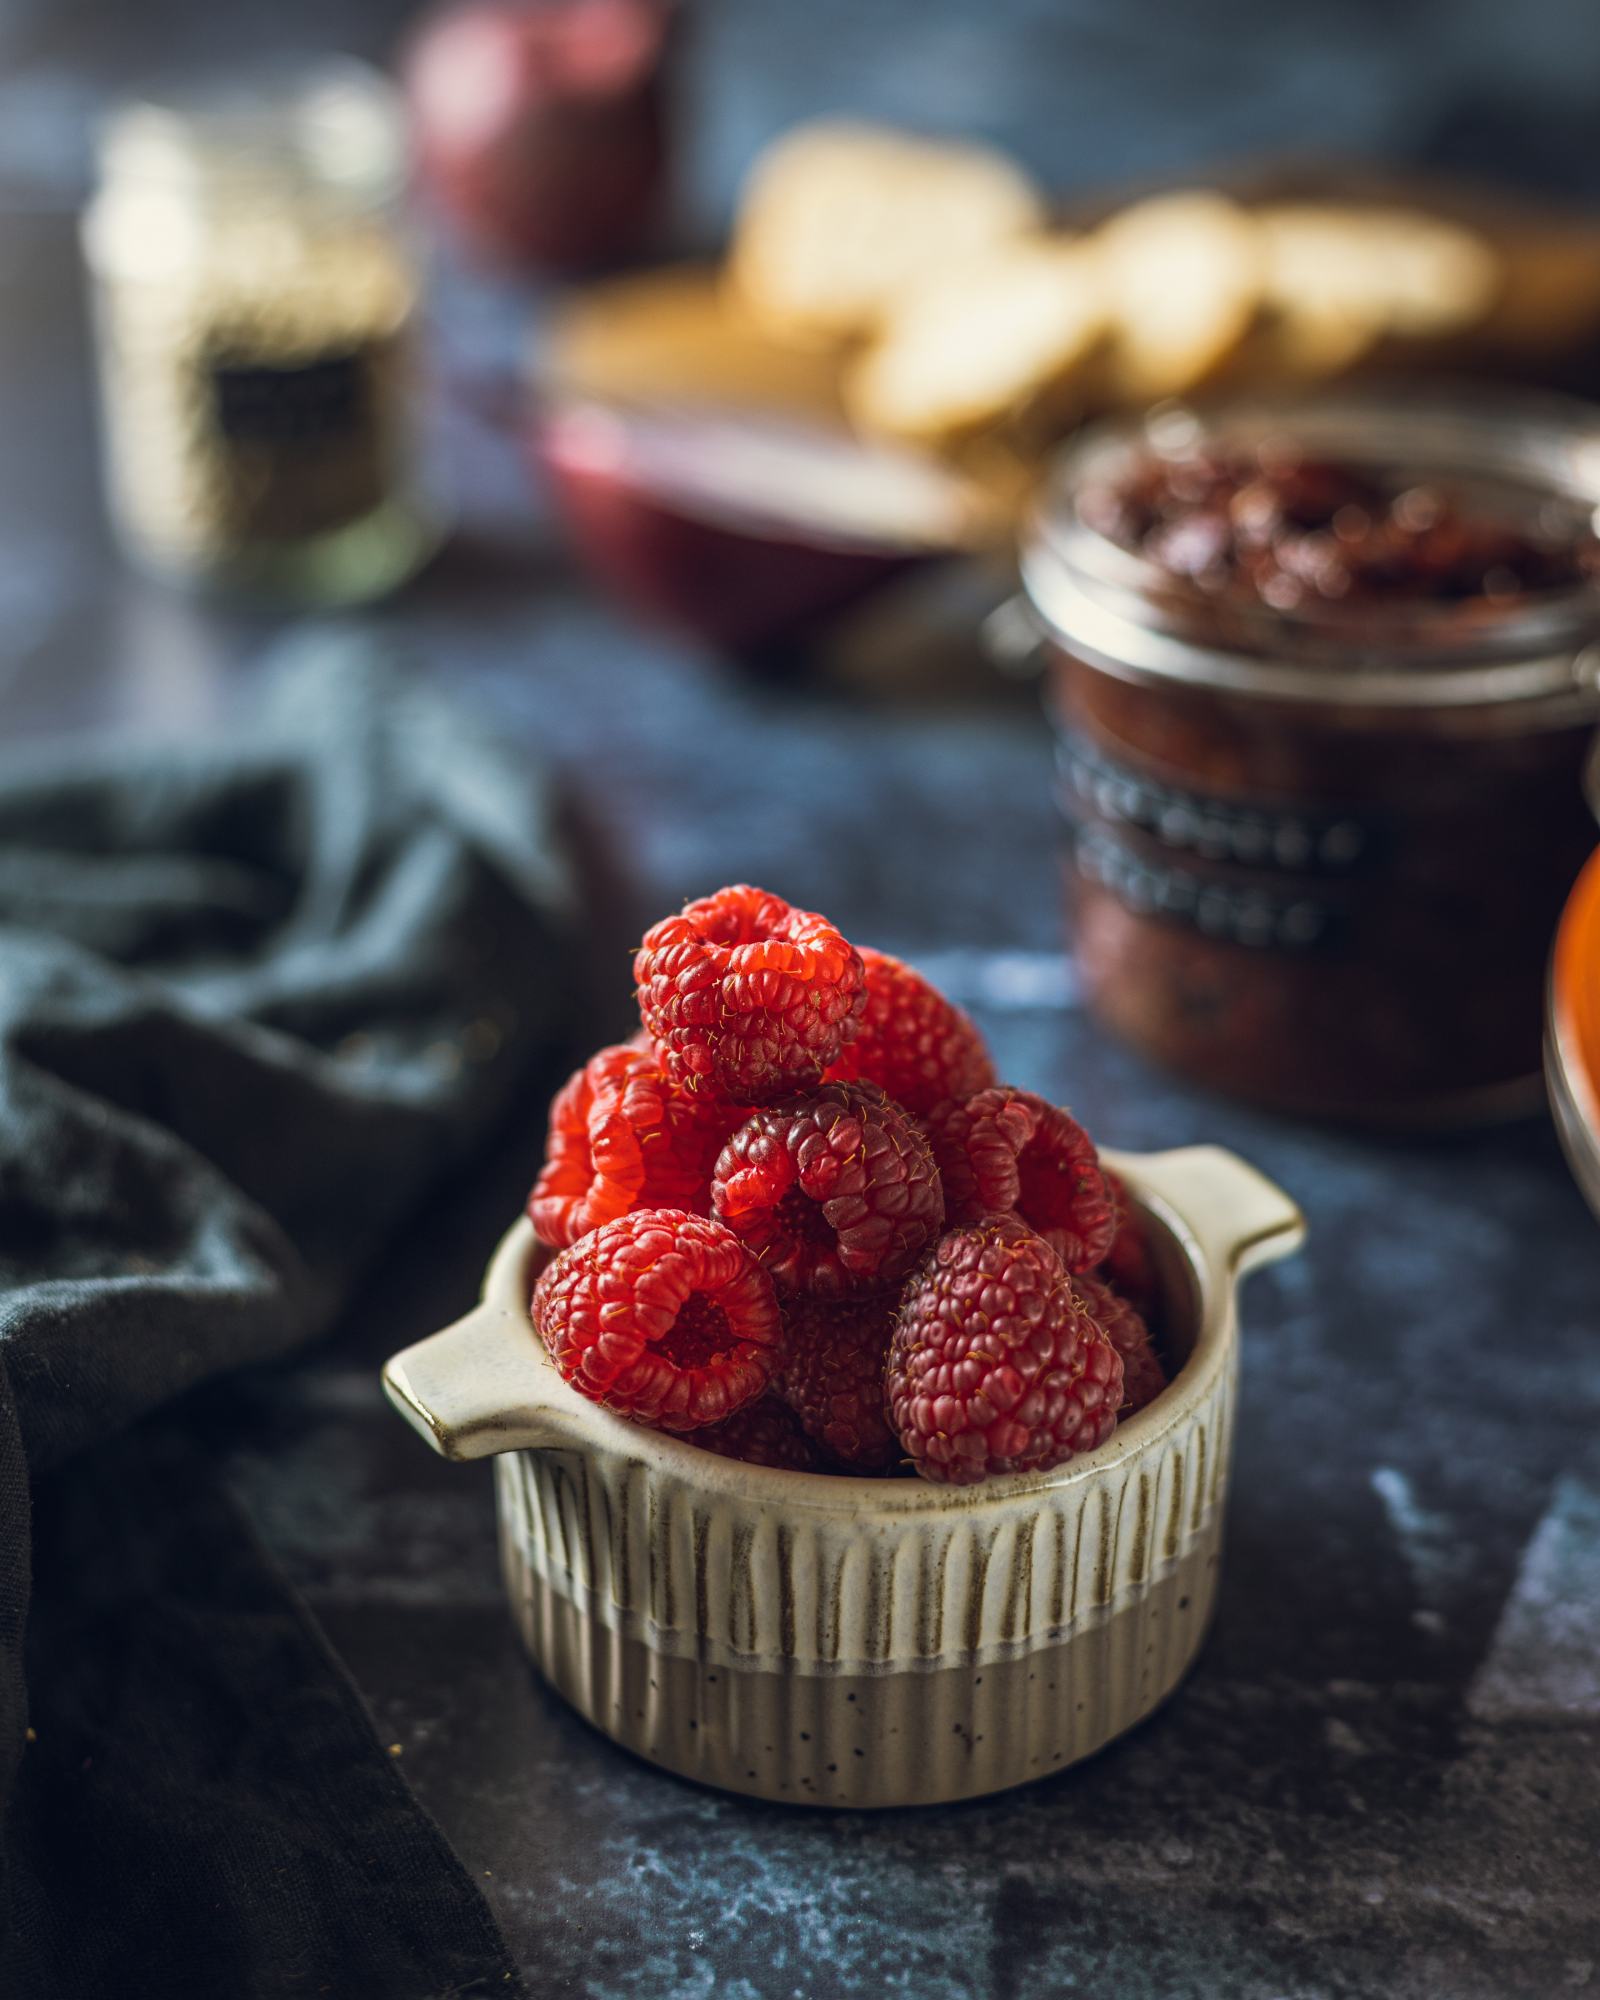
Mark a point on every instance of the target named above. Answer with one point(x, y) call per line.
point(843, 1641)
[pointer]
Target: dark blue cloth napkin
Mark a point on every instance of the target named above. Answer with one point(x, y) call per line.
point(255, 1000)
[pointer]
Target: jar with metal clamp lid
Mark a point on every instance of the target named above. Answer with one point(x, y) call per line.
point(255, 305)
point(1324, 679)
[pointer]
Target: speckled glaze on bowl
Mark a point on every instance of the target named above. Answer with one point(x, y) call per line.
point(862, 1642)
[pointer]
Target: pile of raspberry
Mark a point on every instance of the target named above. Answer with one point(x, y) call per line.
point(799, 1221)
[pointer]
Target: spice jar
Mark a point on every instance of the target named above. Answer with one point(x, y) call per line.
point(255, 306)
point(1324, 679)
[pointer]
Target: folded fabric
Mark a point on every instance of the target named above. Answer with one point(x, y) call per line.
point(255, 999)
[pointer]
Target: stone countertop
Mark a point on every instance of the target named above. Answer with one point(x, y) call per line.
point(1380, 1778)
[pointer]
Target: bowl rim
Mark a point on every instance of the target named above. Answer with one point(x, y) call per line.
point(559, 446)
point(591, 1426)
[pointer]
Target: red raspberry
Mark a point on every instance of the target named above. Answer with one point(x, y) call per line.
point(746, 995)
point(1143, 1377)
point(1008, 1149)
point(621, 1138)
point(833, 1378)
point(663, 1317)
point(766, 1432)
point(996, 1365)
point(835, 1192)
point(1128, 1266)
point(912, 1041)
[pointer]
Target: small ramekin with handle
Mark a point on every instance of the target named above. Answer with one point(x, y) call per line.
point(840, 1641)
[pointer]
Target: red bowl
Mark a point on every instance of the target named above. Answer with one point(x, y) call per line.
point(744, 532)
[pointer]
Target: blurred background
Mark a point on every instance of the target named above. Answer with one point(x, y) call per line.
point(556, 146)
point(683, 385)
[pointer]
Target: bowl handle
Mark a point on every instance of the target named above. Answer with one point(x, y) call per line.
point(1239, 1217)
point(484, 1386)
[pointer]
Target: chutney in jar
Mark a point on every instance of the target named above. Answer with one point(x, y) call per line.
point(1323, 681)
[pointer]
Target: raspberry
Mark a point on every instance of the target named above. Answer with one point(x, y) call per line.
point(912, 1041)
point(1143, 1377)
point(835, 1192)
point(996, 1365)
point(746, 995)
point(1008, 1149)
point(833, 1378)
point(765, 1432)
point(663, 1317)
point(622, 1138)
point(1127, 1265)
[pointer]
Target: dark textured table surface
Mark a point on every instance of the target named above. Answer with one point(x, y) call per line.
point(1381, 1777)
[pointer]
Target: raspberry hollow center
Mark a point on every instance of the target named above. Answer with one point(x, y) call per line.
point(1047, 1182)
point(803, 1221)
point(700, 1334)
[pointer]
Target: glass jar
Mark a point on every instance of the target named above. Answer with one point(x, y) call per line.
point(1316, 860)
point(255, 305)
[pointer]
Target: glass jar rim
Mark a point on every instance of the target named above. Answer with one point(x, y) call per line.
point(1123, 612)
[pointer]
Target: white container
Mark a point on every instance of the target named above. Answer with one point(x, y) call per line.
point(863, 1642)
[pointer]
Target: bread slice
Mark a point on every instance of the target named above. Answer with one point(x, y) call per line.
point(1011, 332)
point(837, 219)
point(1184, 285)
point(1342, 280)
point(679, 334)
point(1550, 303)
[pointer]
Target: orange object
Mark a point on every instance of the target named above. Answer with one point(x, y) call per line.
point(1576, 995)
point(1572, 1045)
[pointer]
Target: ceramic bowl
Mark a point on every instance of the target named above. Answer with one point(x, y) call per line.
point(837, 1641)
point(728, 527)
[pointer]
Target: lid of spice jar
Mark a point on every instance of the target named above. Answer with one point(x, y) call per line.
point(325, 136)
point(1136, 606)
point(1572, 1027)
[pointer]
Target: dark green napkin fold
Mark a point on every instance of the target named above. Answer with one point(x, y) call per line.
point(255, 1000)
